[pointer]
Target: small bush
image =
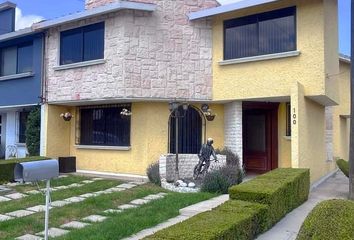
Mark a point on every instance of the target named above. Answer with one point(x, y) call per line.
point(153, 173)
point(232, 220)
point(282, 190)
point(343, 166)
point(329, 220)
point(7, 167)
point(231, 158)
point(219, 180)
point(33, 132)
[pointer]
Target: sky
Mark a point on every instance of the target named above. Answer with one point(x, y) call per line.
point(30, 11)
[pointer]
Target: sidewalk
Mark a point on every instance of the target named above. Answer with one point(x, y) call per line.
point(288, 228)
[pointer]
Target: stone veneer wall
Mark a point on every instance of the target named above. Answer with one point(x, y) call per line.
point(186, 165)
point(158, 55)
point(233, 128)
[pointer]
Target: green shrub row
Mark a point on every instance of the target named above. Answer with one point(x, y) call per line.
point(7, 167)
point(329, 220)
point(255, 206)
point(232, 220)
point(343, 166)
point(282, 190)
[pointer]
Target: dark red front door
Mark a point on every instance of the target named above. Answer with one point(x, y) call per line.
point(260, 140)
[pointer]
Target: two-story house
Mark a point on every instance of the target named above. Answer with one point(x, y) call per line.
point(267, 69)
point(21, 54)
point(276, 68)
point(115, 67)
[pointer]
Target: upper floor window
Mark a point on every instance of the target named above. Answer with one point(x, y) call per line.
point(16, 59)
point(82, 44)
point(260, 34)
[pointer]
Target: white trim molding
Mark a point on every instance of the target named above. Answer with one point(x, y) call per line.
point(80, 64)
point(115, 148)
point(17, 76)
point(260, 58)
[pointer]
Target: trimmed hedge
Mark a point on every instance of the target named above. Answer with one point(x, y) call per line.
point(7, 167)
point(329, 220)
point(343, 166)
point(233, 220)
point(282, 190)
point(255, 206)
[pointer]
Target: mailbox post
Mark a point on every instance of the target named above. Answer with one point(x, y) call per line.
point(39, 171)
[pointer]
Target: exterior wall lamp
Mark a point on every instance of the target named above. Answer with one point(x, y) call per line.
point(174, 108)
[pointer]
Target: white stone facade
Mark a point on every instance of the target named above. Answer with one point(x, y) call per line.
point(158, 55)
point(186, 164)
point(233, 128)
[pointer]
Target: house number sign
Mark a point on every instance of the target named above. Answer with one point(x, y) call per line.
point(294, 116)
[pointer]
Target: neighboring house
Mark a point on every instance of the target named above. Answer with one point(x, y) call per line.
point(275, 64)
point(268, 69)
point(341, 113)
point(20, 81)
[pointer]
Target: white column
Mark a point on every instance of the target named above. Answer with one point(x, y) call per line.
point(233, 128)
point(43, 141)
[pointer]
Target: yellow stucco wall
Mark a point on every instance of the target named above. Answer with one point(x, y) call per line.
point(274, 78)
point(340, 121)
point(308, 135)
point(284, 143)
point(57, 140)
point(149, 139)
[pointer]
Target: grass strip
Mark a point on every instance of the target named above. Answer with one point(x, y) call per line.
point(53, 183)
point(58, 216)
point(132, 221)
point(39, 199)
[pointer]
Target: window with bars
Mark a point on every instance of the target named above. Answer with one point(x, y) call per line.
point(104, 126)
point(260, 34)
point(16, 59)
point(82, 44)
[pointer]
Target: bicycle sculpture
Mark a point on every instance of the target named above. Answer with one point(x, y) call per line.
point(203, 165)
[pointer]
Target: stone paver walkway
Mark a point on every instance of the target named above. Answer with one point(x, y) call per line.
point(89, 220)
point(288, 228)
point(185, 213)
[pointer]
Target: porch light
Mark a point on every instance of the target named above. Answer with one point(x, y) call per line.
point(125, 113)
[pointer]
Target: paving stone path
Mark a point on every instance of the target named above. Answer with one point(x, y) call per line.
point(60, 203)
point(92, 219)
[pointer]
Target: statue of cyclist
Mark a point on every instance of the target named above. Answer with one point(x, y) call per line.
point(204, 155)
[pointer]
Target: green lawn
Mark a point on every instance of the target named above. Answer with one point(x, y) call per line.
point(115, 227)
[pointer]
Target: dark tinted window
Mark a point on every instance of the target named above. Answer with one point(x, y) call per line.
point(266, 33)
point(25, 58)
point(16, 59)
point(82, 44)
point(7, 23)
point(104, 126)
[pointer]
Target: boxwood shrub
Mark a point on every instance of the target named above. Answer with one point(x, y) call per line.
point(282, 190)
point(7, 167)
point(329, 220)
point(255, 206)
point(343, 166)
point(232, 220)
